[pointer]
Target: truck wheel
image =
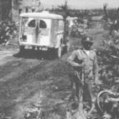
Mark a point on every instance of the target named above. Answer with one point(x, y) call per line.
point(66, 48)
point(59, 52)
point(21, 50)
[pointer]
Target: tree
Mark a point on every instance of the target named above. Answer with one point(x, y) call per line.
point(34, 4)
point(105, 11)
point(16, 3)
point(65, 9)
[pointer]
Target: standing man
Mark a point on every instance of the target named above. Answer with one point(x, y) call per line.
point(85, 64)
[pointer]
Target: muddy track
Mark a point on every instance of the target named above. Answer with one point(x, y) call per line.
point(23, 80)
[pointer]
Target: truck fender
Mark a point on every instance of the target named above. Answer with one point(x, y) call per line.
point(59, 41)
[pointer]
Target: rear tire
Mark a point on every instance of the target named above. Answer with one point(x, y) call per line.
point(66, 49)
point(21, 50)
point(58, 52)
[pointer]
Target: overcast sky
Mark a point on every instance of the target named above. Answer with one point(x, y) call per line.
point(82, 4)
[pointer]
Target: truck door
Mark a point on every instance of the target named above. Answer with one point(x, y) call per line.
point(28, 27)
point(43, 32)
point(31, 26)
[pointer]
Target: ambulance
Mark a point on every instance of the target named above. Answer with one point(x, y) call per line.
point(42, 31)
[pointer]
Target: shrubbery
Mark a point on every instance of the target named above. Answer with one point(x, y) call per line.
point(8, 31)
point(108, 57)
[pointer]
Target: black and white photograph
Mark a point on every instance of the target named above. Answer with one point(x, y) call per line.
point(59, 59)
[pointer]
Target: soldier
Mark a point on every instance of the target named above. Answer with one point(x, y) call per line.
point(85, 64)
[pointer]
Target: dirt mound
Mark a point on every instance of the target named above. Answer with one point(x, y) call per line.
point(46, 85)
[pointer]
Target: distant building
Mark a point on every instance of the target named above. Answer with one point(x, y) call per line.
point(5, 8)
point(12, 8)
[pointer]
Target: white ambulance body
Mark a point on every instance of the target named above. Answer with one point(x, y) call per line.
point(41, 31)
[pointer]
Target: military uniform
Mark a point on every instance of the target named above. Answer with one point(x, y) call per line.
point(86, 60)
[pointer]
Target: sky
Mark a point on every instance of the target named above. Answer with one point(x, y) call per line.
point(81, 4)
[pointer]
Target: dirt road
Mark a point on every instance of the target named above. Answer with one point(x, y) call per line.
point(12, 66)
point(5, 55)
point(25, 80)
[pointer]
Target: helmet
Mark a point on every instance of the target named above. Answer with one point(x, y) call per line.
point(87, 40)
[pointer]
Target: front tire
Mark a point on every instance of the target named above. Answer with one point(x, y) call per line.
point(58, 52)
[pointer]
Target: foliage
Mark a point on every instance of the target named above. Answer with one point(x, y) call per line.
point(112, 14)
point(17, 3)
point(8, 31)
point(109, 61)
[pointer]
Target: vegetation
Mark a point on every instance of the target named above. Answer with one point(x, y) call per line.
point(46, 86)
